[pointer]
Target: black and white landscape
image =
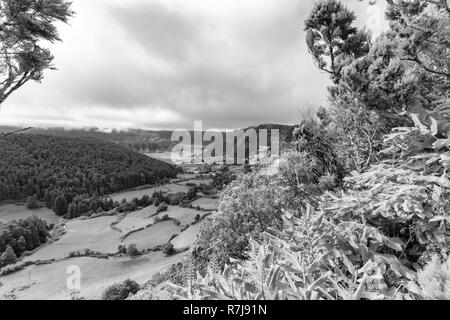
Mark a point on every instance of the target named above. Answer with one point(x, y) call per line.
point(224, 149)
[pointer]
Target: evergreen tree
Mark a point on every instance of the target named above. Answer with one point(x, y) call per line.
point(32, 202)
point(332, 39)
point(24, 24)
point(60, 205)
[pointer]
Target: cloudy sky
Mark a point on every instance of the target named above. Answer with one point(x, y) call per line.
point(157, 64)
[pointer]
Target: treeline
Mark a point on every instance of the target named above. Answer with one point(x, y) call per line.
point(58, 170)
point(16, 237)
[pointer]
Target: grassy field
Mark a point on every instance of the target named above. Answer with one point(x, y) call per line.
point(94, 234)
point(185, 215)
point(130, 195)
point(187, 238)
point(18, 212)
point(153, 236)
point(47, 282)
point(138, 219)
point(206, 203)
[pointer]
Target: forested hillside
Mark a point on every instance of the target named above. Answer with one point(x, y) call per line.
point(57, 169)
point(135, 139)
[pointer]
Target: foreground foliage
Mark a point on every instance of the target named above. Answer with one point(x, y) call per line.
point(370, 241)
point(121, 291)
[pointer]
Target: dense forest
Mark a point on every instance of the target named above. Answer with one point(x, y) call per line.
point(16, 237)
point(57, 170)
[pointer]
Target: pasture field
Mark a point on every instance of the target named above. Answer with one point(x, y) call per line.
point(131, 194)
point(12, 212)
point(49, 282)
point(157, 234)
point(206, 203)
point(95, 234)
point(187, 237)
point(185, 215)
point(137, 219)
point(187, 176)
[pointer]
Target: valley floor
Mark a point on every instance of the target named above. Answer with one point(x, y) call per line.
point(53, 263)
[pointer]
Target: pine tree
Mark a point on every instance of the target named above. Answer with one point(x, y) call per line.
point(24, 24)
point(332, 39)
point(60, 205)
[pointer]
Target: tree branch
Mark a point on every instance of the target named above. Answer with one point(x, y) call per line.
point(14, 132)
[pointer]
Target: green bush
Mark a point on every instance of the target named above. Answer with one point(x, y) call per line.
point(168, 249)
point(121, 291)
point(248, 206)
point(133, 251)
point(433, 282)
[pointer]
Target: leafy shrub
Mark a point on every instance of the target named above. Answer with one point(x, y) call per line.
point(248, 206)
point(122, 249)
point(433, 282)
point(132, 250)
point(313, 258)
point(162, 208)
point(301, 172)
point(121, 291)
point(405, 196)
point(168, 249)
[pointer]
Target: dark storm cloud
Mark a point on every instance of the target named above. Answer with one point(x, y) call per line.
point(164, 64)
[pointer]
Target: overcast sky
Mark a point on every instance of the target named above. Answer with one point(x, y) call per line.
point(157, 64)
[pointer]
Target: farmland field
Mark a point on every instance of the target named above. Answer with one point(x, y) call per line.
point(185, 215)
point(205, 203)
point(157, 234)
point(131, 194)
point(94, 234)
point(45, 282)
point(17, 212)
point(186, 238)
point(137, 219)
point(104, 234)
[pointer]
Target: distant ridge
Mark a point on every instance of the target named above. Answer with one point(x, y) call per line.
point(140, 140)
